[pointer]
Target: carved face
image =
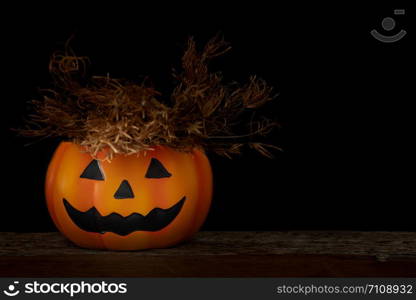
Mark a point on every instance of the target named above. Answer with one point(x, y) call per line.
point(150, 200)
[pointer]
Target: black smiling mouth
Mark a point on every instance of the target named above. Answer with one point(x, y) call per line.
point(92, 221)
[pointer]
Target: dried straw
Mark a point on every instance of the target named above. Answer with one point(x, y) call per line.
point(124, 117)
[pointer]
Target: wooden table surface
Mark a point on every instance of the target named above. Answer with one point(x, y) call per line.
point(219, 254)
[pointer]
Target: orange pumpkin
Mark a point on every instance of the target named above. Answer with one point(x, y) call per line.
point(152, 199)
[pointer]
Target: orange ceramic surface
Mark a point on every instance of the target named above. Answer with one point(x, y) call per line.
point(190, 179)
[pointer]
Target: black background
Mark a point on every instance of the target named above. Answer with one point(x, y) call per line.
point(344, 105)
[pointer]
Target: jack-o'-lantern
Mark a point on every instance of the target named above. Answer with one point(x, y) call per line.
point(133, 173)
point(133, 202)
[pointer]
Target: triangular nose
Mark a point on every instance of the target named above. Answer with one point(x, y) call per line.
point(124, 191)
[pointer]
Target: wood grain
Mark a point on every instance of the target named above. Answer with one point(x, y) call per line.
point(219, 254)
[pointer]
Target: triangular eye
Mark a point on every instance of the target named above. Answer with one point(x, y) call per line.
point(156, 170)
point(93, 171)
